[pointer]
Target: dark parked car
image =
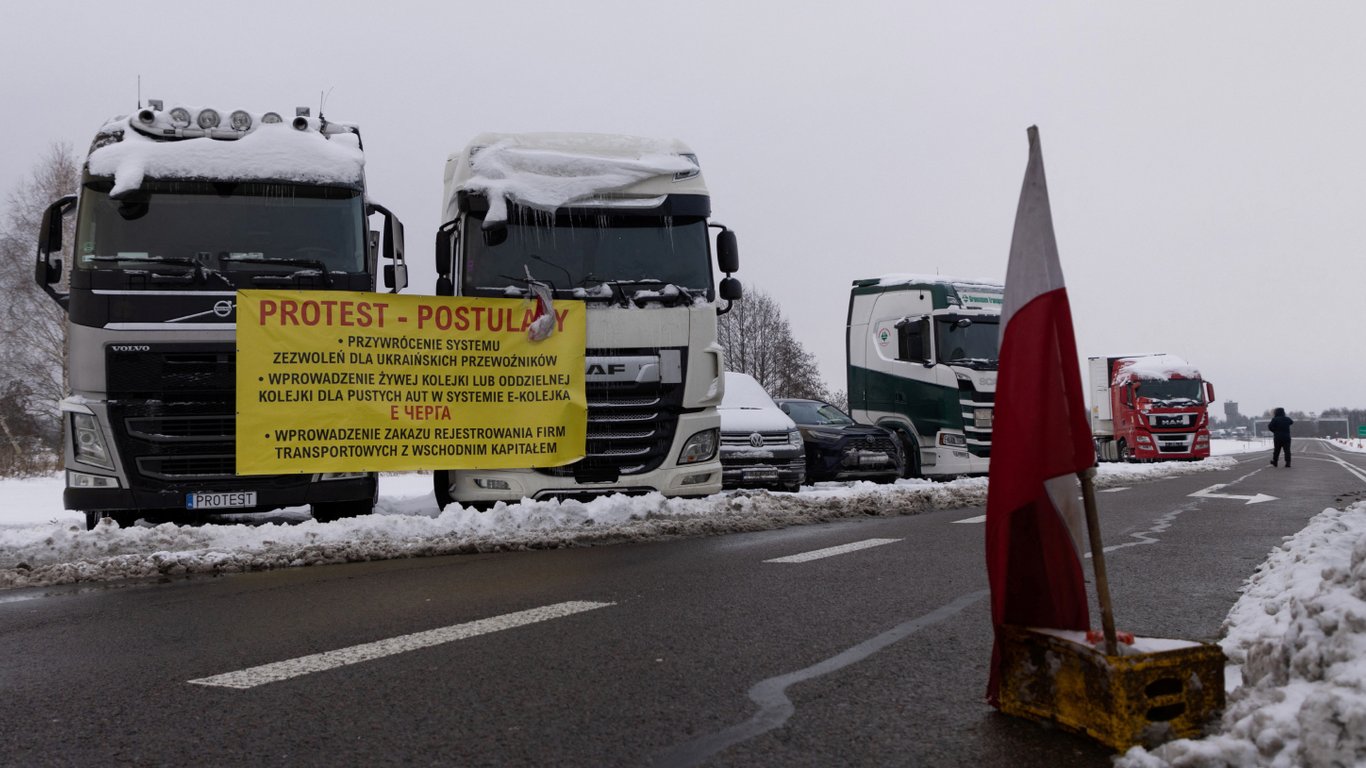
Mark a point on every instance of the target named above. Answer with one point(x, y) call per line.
point(837, 448)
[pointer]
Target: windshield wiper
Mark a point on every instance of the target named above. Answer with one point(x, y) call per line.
point(301, 263)
point(197, 273)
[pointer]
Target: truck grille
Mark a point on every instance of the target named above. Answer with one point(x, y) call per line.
point(177, 408)
point(979, 438)
point(630, 426)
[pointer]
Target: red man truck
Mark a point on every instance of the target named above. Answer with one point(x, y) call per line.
point(1149, 408)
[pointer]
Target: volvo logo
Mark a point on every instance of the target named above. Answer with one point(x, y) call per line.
point(756, 440)
point(222, 308)
point(131, 347)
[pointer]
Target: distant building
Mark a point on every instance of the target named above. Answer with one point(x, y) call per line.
point(1231, 412)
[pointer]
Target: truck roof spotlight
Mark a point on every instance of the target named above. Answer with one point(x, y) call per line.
point(147, 116)
point(180, 117)
point(271, 118)
point(208, 118)
point(239, 120)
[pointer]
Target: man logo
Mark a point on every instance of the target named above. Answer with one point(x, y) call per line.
point(222, 308)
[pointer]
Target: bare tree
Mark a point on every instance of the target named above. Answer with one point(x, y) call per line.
point(759, 342)
point(32, 326)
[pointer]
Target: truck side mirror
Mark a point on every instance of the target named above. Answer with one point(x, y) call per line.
point(47, 270)
point(727, 252)
point(445, 248)
point(731, 290)
point(1209, 392)
point(396, 276)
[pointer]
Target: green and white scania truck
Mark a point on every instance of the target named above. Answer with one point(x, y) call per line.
point(922, 353)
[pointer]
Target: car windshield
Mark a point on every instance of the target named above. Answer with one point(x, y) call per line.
point(816, 414)
point(592, 256)
point(217, 224)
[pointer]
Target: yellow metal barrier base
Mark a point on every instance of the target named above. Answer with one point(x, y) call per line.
point(1138, 699)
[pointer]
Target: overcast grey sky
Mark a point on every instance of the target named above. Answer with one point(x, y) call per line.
point(1206, 161)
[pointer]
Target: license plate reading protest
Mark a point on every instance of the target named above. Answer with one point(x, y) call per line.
point(223, 500)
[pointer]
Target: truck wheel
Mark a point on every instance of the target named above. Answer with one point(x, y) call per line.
point(125, 519)
point(911, 453)
point(441, 485)
point(327, 511)
point(1124, 454)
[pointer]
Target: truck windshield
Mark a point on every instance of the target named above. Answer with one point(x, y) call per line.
point(973, 342)
point(215, 223)
point(605, 256)
point(1170, 390)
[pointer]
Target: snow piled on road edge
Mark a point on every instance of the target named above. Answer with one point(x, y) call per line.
point(66, 554)
point(1299, 634)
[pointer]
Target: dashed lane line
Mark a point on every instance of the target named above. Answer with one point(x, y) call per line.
point(817, 554)
point(321, 662)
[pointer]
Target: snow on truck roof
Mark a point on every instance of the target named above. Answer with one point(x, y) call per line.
point(202, 143)
point(545, 171)
point(1154, 367)
point(900, 278)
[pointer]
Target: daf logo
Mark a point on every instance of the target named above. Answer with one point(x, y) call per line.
point(131, 347)
point(611, 369)
point(756, 440)
point(222, 308)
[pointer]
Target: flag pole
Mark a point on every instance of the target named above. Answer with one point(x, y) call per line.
point(1107, 617)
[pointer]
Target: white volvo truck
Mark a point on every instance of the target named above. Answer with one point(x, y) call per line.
point(922, 360)
point(620, 223)
point(179, 209)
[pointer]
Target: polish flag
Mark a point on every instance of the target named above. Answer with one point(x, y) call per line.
point(1041, 437)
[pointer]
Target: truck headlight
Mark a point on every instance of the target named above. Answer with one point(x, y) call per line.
point(794, 437)
point(952, 440)
point(700, 447)
point(981, 418)
point(825, 435)
point(87, 441)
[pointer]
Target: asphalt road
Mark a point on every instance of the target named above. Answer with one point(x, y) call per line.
point(675, 653)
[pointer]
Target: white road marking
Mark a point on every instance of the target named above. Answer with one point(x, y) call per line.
point(832, 551)
point(1115, 490)
point(978, 519)
point(1209, 493)
point(321, 662)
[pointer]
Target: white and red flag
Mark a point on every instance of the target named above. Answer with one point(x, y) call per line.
point(1040, 436)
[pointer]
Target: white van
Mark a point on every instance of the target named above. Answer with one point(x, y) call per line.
point(760, 445)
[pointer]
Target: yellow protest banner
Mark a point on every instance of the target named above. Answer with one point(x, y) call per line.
point(337, 381)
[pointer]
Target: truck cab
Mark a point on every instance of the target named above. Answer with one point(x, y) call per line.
point(179, 209)
point(623, 225)
point(922, 353)
point(1149, 408)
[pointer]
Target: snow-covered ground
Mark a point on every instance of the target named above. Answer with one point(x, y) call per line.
point(1296, 638)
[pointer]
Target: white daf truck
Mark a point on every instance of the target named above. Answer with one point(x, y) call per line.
point(178, 210)
point(922, 359)
point(621, 224)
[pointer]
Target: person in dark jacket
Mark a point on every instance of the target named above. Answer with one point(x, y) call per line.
point(1280, 435)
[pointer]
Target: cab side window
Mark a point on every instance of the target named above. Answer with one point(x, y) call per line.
point(911, 336)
